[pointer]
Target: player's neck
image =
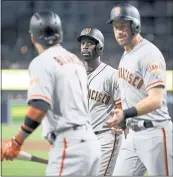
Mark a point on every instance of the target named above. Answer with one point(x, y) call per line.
point(135, 40)
point(91, 65)
point(39, 48)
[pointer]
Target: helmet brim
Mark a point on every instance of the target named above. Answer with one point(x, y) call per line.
point(119, 18)
point(79, 38)
point(109, 21)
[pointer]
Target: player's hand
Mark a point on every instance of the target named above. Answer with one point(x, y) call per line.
point(67, 59)
point(118, 131)
point(126, 132)
point(10, 150)
point(117, 117)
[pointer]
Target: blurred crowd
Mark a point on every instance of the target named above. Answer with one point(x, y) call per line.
point(17, 50)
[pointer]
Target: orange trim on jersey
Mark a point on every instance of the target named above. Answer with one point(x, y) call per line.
point(63, 156)
point(161, 82)
point(119, 106)
point(165, 152)
point(35, 114)
point(37, 96)
point(113, 149)
point(118, 100)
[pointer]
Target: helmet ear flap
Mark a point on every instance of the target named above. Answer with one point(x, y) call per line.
point(99, 49)
point(136, 26)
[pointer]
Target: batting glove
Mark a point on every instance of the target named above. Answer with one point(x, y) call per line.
point(10, 149)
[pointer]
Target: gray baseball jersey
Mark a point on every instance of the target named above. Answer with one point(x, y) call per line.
point(103, 94)
point(48, 124)
point(140, 70)
point(52, 83)
point(147, 148)
point(64, 87)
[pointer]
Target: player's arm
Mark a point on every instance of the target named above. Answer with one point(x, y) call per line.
point(153, 101)
point(116, 95)
point(36, 111)
point(154, 81)
point(39, 100)
point(114, 90)
point(122, 128)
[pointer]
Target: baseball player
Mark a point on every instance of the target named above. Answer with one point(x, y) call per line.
point(148, 145)
point(61, 89)
point(103, 95)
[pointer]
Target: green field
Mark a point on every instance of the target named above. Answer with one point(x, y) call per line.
point(22, 168)
point(18, 111)
point(8, 131)
point(19, 167)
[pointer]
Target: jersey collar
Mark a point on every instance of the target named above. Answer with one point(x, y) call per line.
point(97, 70)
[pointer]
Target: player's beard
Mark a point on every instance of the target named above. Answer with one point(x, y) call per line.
point(88, 55)
point(126, 42)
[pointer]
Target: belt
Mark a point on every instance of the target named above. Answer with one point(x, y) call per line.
point(148, 124)
point(51, 136)
point(135, 126)
point(101, 131)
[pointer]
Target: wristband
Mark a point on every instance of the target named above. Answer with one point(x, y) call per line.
point(15, 139)
point(29, 125)
point(131, 112)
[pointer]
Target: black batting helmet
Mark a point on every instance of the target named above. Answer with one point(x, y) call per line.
point(126, 12)
point(46, 28)
point(96, 35)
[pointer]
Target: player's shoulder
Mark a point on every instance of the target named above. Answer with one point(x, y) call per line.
point(109, 69)
point(73, 58)
point(66, 52)
point(48, 60)
point(40, 62)
point(35, 61)
point(151, 52)
point(110, 72)
point(151, 48)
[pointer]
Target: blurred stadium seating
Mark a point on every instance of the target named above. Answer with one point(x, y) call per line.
point(157, 26)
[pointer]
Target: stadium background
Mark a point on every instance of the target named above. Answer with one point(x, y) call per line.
point(17, 52)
